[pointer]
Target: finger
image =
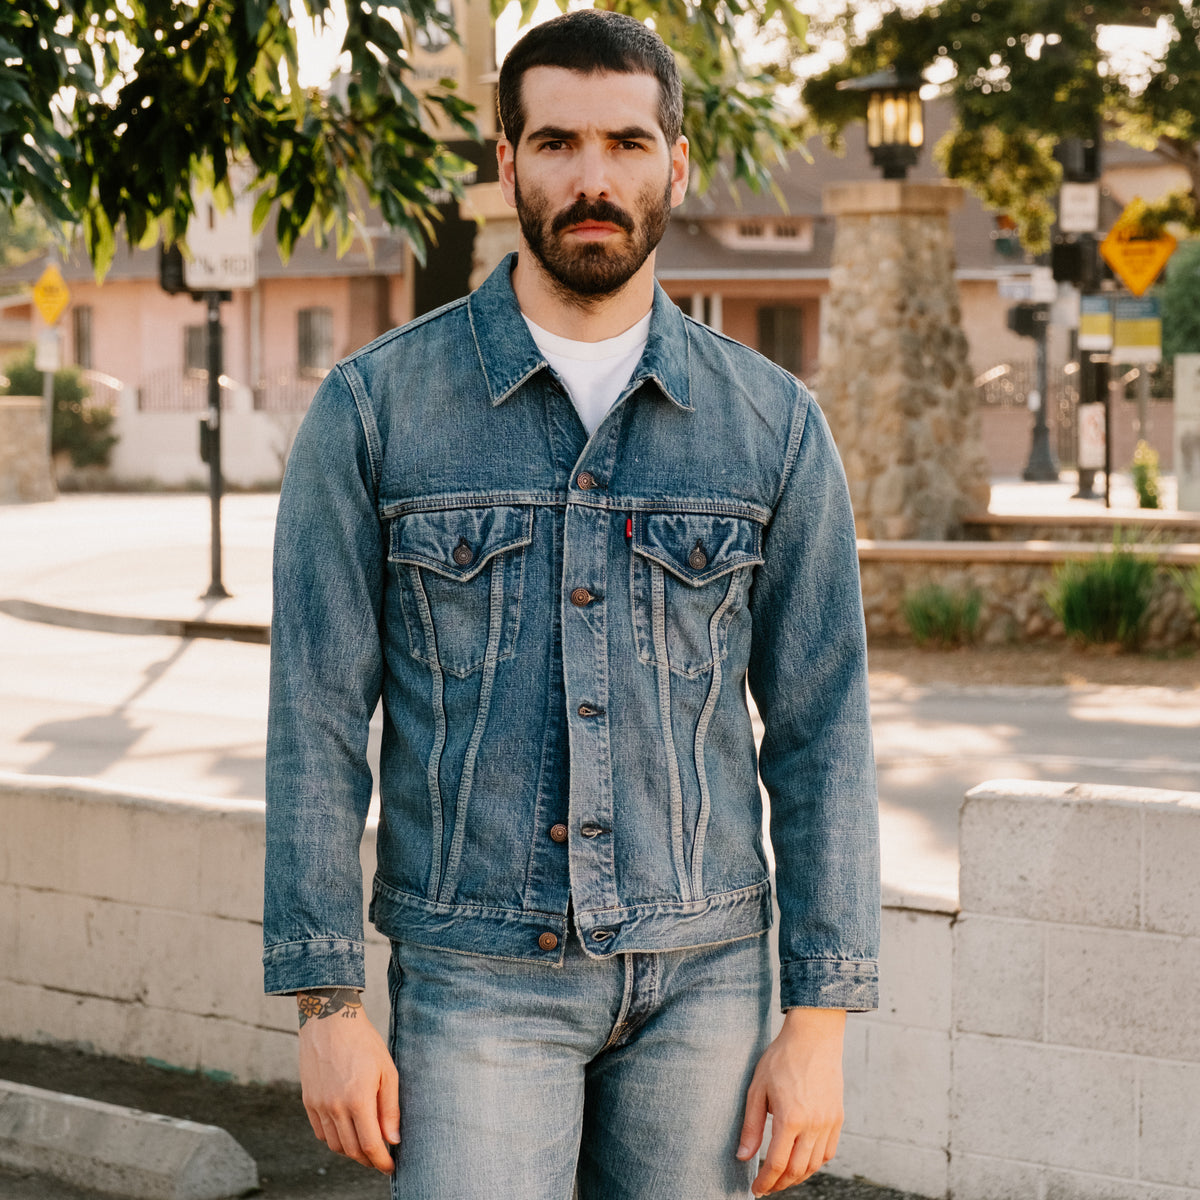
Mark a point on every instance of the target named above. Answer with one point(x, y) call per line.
point(389, 1108)
point(314, 1120)
point(797, 1164)
point(754, 1122)
point(776, 1161)
point(373, 1149)
point(348, 1140)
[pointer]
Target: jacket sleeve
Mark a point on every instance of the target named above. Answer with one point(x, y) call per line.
point(808, 676)
point(326, 672)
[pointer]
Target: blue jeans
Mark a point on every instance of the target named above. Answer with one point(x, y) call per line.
point(627, 1075)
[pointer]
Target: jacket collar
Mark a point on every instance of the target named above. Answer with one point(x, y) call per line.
point(509, 356)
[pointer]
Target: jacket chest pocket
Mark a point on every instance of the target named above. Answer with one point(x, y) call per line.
point(688, 579)
point(461, 573)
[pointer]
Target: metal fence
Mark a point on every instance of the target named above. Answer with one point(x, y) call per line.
point(1007, 385)
point(287, 391)
point(172, 390)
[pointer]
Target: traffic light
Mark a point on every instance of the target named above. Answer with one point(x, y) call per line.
point(1029, 320)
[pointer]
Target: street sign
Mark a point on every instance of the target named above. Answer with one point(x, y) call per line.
point(1095, 323)
point(1137, 330)
point(221, 246)
point(1038, 287)
point(1136, 257)
point(1079, 207)
point(47, 351)
point(50, 294)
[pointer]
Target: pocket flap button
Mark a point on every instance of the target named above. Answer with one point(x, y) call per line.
point(698, 560)
point(548, 941)
point(463, 554)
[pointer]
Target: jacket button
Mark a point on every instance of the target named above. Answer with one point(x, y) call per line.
point(548, 941)
point(586, 480)
point(558, 833)
point(463, 554)
point(581, 597)
point(697, 560)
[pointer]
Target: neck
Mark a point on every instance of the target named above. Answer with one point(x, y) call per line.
point(582, 318)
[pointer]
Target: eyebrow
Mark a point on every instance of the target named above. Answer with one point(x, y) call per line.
point(632, 133)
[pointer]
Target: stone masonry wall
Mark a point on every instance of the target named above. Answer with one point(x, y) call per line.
point(24, 464)
point(896, 384)
point(1012, 581)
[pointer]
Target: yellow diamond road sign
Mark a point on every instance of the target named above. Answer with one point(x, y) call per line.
point(50, 294)
point(1136, 258)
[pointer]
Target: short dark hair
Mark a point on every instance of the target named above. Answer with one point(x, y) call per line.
point(591, 40)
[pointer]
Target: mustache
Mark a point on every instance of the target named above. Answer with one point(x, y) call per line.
point(592, 210)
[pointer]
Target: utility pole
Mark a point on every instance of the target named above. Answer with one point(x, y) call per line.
point(216, 588)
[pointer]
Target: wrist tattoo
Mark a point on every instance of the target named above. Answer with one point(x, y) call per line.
point(328, 1002)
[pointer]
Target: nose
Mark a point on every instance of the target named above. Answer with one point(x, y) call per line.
point(593, 178)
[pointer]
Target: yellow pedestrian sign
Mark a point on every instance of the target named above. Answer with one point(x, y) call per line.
point(50, 294)
point(1135, 257)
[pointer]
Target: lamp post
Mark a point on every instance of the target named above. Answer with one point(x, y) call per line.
point(895, 119)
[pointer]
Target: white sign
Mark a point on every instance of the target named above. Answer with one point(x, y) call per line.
point(1187, 431)
point(47, 353)
point(1091, 437)
point(1039, 287)
point(220, 252)
point(1079, 208)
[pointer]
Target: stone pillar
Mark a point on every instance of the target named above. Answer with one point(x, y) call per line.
point(895, 381)
point(24, 466)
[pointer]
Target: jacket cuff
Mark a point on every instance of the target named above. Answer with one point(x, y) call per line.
point(290, 967)
point(829, 983)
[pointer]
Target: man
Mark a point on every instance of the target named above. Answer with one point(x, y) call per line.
point(558, 526)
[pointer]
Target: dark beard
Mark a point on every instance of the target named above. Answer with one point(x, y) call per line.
point(589, 272)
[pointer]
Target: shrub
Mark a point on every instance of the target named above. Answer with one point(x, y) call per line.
point(939, 616)
point(1104, 598)
point(1145, 476)
point(1190, 582)
point(80, 429)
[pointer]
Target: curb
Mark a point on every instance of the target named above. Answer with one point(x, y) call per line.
point(75, 618)
point(133, 1154)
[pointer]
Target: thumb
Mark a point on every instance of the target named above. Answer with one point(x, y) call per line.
point(754, 1123)
point(389, 1107)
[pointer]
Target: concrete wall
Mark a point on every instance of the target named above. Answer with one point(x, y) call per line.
point(131, 922)
point(24, 459)
point(1041, 1044)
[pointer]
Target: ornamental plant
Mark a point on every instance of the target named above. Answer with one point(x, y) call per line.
point(1105, 598)
point(941, 617)
point(1145, 476)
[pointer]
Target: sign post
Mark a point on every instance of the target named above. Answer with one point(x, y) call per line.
point(221, 257)
point(51, 297)
point(1187, 431)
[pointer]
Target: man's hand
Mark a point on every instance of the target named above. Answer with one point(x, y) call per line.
point(798, 1081)
point(349, 1083)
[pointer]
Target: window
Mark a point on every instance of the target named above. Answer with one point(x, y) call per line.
point(195, 349)
point(81, 319)
point(780, 335)
point(314, 327)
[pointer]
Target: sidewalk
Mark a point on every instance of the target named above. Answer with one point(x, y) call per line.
point(143, 561)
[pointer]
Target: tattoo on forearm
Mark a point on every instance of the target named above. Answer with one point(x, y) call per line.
point(328, 1002)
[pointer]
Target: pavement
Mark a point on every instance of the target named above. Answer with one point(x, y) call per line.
point(115, 666)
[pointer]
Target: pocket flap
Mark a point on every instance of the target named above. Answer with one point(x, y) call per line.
point(458, 542)
point(697, 548)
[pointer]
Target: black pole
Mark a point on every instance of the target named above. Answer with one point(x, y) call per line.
point(1106, 396)
point(1041, 468)
point(216, 589)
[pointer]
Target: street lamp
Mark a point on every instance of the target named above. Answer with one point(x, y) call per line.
point(895, 118)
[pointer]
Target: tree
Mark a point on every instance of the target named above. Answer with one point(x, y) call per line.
point(110, 110)
point(1180, 294)
point(1023, 74)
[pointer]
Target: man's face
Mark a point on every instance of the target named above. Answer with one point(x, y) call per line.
point(593, 179)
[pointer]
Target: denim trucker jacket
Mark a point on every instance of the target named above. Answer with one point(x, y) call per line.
point(561, 629)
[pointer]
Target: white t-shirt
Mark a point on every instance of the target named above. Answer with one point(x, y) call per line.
point(595, 372)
